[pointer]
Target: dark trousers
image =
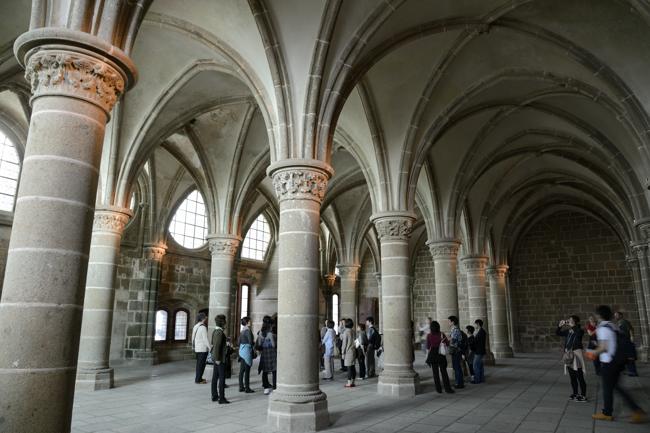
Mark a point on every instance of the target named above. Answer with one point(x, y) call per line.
point(218, 385)
point(201, 358)
point(469, 359)
point(456, 360)
point(352, 372)
point(244, 375)
point(609, 375)
point(577, 376)
point(265, 380)
point(343, 367)
point(362, 362)
point(370, 361)
point(439, 368)
point(479, 376)
point(631, 368)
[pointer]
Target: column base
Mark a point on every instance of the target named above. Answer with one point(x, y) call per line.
point(503, 352)
point(94, 380)
point(292, 414)
point(401, 386)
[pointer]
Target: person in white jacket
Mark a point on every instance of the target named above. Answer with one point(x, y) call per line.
point(201, 346)
point(328, 341)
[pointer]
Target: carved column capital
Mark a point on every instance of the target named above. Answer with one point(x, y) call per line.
point(111, 219)
point(498, 272)
point(300, 179)
point(639, 250)
point(59, 72)
point(330, 279)
point(223, 245)
point(444, 249)
point(349, 272)
point(475, 264)
point(393, 225)
point(155, 252)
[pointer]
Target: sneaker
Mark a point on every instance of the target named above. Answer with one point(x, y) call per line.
point(581, 399)
point(572, 397)
point(639, 417)
point(602, 417)
point(267, 391)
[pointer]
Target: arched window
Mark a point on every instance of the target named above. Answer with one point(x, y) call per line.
point(244, 294)
point(180, 325)
point(189, 226)
point(335, 312)
point(161, 325)
point(9, 173)
point(257, 240)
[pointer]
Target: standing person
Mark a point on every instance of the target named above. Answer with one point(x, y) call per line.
point(267, 344)
point(572, 332)
point(610, 369)
point(245, 356)
point(339, 341)
point(373, 338)
point(480, 341)
point(437, 361)
point(323, 331)
point(591, 327)
point(626, 328)
point(471, 349)
point(201, 346)
point(219, 351)
point(348, 352)
point(454, 350)
point(362, 340)
point(328, 341)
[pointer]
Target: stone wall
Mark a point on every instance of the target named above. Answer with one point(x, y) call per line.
point(566, 264)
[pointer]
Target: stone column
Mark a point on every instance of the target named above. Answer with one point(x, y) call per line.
point(224, 248)
point(298, 404)
point(93, 372)
point(398, 379)
point(638, 264)
point(379, 321)
point(73, 92)
point(349, 301)
point(330, 281)
point(475, 267)
point(445, 260)
point(500, 339)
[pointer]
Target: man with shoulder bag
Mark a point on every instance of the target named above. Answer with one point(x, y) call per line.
point(219, 353)
point(201, 346)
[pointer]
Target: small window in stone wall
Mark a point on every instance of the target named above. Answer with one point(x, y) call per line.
point(161, 325)
point(180, 325)
point(9, 173)
point(257, 240)
point(189, 225)
point(243, 300)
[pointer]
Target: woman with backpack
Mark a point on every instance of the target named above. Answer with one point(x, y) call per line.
point(267, 344)
point(436, 345)
point(573, 358)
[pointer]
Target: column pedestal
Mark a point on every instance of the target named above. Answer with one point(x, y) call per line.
point(398, 379)
point(500, 340)
point(298, 404)
point(93, 371)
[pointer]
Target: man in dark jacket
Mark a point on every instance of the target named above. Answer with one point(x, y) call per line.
point(219, 353)
point(480, 341)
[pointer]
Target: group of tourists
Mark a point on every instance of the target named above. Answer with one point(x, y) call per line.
point(352, 346)
point(216, 350)
point(612, 351)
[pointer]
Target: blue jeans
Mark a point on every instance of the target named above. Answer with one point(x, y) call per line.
point(479, 375)
point(456, 360)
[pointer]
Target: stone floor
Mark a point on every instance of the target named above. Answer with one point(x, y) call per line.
point(527, 394)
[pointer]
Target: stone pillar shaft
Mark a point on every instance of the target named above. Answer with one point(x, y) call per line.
point(444, 253)
point(224, 249)
point(641, 276)
point(500, 340)
point(349, 300)
point(41, 310)
point(298, 404)
point(379, 321)
point(94, 372)
point(475, 267)
point(398, 378)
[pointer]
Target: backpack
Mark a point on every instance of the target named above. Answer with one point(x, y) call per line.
point(625, 349)
point(375, 339)
point(464, 342)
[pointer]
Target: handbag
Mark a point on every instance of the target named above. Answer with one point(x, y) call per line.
point(568, 356)
point(210, 359)
point(442, 349)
